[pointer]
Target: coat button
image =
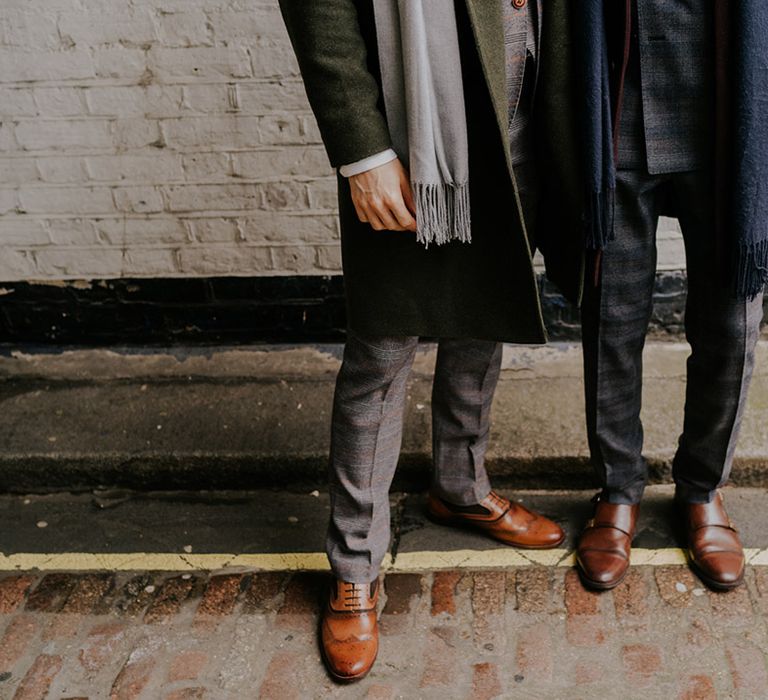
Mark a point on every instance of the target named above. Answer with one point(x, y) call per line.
point(519, 4)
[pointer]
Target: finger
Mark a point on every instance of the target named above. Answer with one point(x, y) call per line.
point(387, 217)
point(407, 191)
point(403, 216)
point(360, 212)
point(373, 218)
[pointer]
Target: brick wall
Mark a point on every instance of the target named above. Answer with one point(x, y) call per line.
point(160, 138)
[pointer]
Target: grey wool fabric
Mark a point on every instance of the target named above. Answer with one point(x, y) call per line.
point(367, 432)
point(423, 90)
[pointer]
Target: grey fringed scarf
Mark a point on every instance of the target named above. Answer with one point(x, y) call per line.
point(418, 45)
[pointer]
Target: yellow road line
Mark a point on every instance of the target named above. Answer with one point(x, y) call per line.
point(162, 561)
point(481, 559)
point(317, 561)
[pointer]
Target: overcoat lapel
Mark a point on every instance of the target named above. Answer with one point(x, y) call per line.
point(488, 29)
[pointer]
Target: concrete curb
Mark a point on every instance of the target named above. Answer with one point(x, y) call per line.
point(258, 417)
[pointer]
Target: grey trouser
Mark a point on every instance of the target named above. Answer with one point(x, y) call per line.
point(721, 330)
point(366, 435)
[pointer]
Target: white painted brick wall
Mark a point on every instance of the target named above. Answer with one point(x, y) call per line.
point(154, 138)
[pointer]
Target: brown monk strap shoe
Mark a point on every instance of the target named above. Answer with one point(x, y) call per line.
point(714, 548)
point(349, 630)
point(604, 547)
point(503, 520)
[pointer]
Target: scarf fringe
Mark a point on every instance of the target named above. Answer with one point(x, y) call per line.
point(600, 218)
point(442, 213)
point(752, 269)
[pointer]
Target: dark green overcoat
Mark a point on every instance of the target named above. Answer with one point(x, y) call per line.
point(394, 286)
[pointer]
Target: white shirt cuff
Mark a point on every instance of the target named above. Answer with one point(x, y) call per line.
point(368, 163)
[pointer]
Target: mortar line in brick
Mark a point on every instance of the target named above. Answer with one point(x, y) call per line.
point(184, 216)
point(204, 80)
point(80, 152)
point(182, 182)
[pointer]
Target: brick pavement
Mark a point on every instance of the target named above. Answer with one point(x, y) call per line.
point(526, 633)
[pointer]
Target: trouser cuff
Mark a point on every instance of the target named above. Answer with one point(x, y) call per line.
point(352, 574)
point(685, 493)
point(623, 497)
point(462, 494)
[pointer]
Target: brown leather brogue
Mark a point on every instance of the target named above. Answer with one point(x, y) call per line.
point(603, 552)
point(349, 630)
point(507, 522)
point(714, 548)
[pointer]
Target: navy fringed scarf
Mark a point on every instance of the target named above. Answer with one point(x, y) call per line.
point(598, 120)
point(742, 39)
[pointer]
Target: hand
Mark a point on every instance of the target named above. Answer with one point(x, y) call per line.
point(383, 198)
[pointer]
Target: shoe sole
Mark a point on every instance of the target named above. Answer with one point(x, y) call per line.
point(347, 679)
point(597, 585)
point(710, 582)
point(459, 523)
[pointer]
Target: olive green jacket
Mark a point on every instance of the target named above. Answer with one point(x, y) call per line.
point(394, 286)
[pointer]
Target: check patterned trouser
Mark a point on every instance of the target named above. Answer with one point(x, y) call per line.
point(721, 330)
point(366, 436)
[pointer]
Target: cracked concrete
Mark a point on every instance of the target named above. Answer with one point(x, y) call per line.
point(233, 525)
